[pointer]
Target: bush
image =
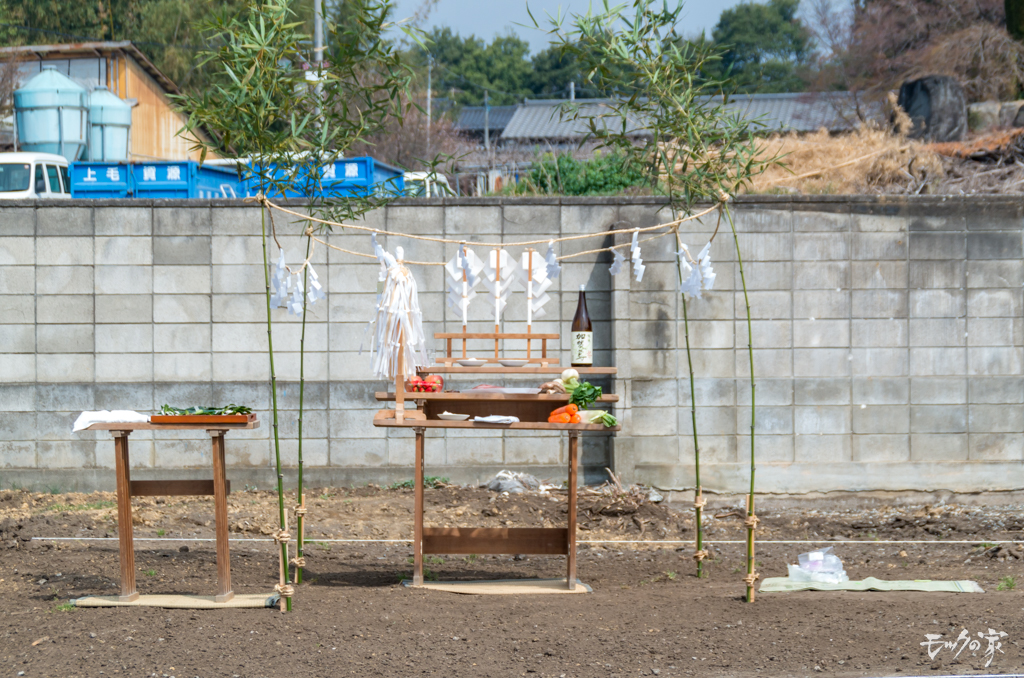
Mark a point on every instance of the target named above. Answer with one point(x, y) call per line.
point(604, 174)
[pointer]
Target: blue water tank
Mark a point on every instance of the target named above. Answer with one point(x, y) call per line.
point(110, 121)
point(51, 115)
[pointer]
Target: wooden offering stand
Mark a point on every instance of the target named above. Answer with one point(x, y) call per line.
point(532, 411)
point(215, 425)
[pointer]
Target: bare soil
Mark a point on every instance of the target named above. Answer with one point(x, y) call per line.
point(648, 614)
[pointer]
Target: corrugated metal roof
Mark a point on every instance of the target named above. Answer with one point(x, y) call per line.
point(546, 119)
point(798, 112)
point(471, 118)
point(89, 49)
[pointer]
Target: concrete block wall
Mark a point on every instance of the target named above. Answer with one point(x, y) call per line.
point(888, 341)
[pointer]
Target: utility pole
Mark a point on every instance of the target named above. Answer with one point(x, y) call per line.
point(487, 123)
point(572, 91)
point(430, 73)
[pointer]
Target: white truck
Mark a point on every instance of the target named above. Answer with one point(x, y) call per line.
point(427, 185)
point(29, 176)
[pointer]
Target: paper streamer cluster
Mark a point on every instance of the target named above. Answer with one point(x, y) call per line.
point(499, 273)
point(398, 321)
point(288, 288)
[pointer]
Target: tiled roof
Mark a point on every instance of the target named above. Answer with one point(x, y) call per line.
point(471, 118)
point(798, 112)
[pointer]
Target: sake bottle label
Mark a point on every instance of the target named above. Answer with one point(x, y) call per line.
point(582, 348)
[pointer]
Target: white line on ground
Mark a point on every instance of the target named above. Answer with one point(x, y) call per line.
point(583, 541)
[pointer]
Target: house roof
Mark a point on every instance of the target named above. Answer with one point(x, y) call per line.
point(546, 119)
point(796, 112)
point(89, 49)
point(471, 118)
point(800, 111)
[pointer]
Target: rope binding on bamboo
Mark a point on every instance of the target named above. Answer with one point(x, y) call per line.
point(701, 555)
point(751, 521)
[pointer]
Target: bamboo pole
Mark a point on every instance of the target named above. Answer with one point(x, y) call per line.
point(751, 519)
point(273, 392)
point(300, 510)
point(698, 498)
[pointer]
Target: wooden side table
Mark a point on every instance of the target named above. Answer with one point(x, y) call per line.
point(127, 488)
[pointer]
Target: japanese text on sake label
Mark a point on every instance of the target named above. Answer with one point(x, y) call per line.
point(582, 348)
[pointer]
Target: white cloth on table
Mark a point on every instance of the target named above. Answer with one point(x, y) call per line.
point(497, 419)
point(87, 419)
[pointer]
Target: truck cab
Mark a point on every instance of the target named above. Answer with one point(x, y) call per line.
point(34, 176)
point(427, 185)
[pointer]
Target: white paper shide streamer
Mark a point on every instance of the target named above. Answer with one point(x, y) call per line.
point(638, 263)
point(695, 277)
point(399, 321)
point(499, 274)
point(288, 288)
point(464, 271)
point(533, 274)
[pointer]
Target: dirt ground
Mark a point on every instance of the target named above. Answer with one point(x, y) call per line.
point(648, 613)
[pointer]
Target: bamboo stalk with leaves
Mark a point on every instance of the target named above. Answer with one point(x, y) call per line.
point(671, 122)
point(261, 105)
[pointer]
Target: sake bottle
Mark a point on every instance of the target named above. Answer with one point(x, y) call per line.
point(582, 334)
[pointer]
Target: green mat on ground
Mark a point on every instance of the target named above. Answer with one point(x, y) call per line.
point(181, 602)
point(785, 585)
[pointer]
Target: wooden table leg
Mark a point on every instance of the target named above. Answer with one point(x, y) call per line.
point(122, 468)
point(570, 576)
point(417, 530)
point(220, 519)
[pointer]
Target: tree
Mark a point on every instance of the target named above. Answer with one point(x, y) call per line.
point(468, 66)
point(765, 45)
point(552, 72)
point(1015, 18)
point(871, 46)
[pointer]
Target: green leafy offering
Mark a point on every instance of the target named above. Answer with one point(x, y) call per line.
point(584, 394)
point(230, 409)
point(607, 419)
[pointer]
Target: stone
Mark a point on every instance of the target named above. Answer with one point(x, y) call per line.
point(937, 106)
point(1008, 112)
point(983, 116)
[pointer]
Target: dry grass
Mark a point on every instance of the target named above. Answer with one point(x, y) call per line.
point(865, 161)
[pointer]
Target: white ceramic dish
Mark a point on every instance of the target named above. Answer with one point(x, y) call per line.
point(513, 363)
point(448, 416)
point(472, 362)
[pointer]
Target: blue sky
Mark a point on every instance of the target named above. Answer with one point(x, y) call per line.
point(488, 18)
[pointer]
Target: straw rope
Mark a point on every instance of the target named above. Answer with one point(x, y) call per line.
point(701, 555)
point(751, 522)
point(672, 227)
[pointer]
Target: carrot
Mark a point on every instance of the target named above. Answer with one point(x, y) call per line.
point(562, 418)
point(575, 419)
point(569, 409)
